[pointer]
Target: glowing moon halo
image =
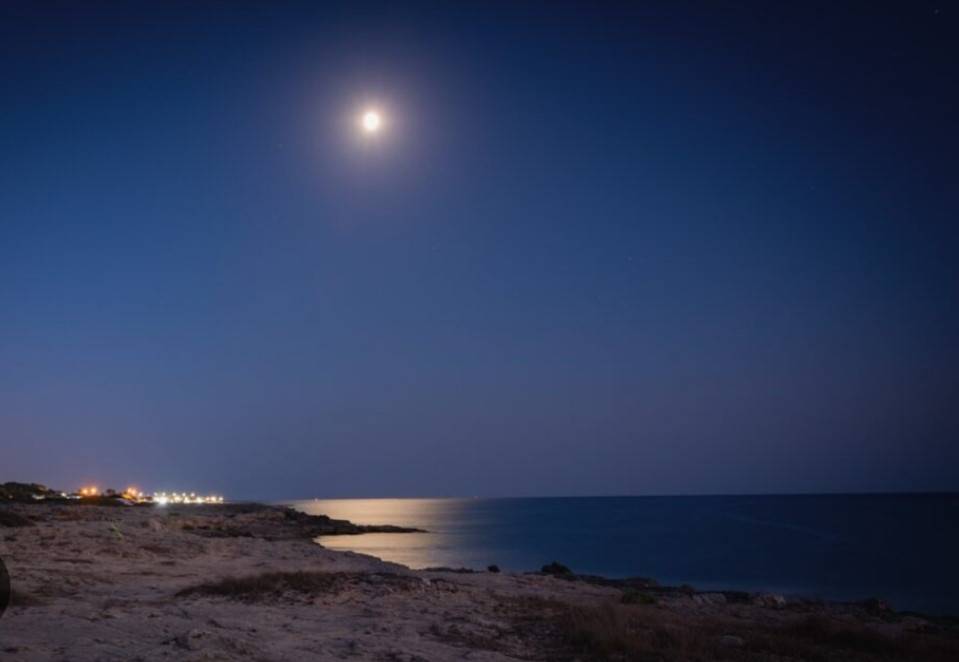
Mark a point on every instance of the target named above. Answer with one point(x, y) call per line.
point(371, 121)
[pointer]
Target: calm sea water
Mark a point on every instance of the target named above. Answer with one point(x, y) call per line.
point(904, 548)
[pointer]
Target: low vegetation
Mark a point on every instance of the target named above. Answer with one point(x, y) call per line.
point(637, 633)
point(11, 519)
point(544, 629)
point(275, 585)
point(557, 569)
point(25, 492)
point(633, 597)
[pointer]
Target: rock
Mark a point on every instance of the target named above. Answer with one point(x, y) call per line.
point(770, 600)
point(312, 526)
point(731, 641)
point(493, 568)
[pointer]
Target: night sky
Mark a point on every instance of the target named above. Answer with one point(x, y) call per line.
point(598, 248)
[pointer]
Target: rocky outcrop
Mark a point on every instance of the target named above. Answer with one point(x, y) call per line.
point(253, 520)
point(323, 525)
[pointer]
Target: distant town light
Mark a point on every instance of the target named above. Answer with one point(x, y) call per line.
point(164, 498)
point(138, 496)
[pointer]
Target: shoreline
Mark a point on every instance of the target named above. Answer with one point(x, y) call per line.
point(834, 549)
point(236, 581)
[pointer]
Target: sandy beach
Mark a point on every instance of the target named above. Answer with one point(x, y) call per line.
point(240, 582)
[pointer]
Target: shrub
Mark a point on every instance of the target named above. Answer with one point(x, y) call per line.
point(12, 519)
point(633, 597)
point(556, 569)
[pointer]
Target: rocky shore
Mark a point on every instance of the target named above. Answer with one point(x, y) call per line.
point(248, 581)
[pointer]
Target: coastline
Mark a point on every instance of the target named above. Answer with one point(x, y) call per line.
point(242, 581)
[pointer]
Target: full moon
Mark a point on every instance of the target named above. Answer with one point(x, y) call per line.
point(371, 121)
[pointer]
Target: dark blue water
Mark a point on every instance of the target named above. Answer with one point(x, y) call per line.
point(904, 548)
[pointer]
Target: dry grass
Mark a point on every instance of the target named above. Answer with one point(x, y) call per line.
point(817, 637)
point(637, 632)
point(274, 585)
point(617, 632)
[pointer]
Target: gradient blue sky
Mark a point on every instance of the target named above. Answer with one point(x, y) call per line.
point(602, 249)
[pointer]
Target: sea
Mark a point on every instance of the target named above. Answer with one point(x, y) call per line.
point(903, 548)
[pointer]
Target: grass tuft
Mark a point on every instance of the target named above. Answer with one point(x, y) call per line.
point(273, 585)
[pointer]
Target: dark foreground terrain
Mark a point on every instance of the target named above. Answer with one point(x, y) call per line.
point(247, 581)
